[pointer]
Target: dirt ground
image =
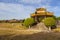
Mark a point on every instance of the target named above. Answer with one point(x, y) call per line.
point(36, 36)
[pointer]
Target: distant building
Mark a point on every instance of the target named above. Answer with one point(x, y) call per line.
point(41, 12)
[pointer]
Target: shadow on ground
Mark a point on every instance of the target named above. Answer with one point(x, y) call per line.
point(37, 36)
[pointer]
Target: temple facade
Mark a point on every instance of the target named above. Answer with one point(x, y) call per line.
point(41, 12)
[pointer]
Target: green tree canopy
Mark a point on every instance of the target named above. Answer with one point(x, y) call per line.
point(40, 19)
point(54, 17)
point(28, 22)
point(49, 21)
point(58, 18)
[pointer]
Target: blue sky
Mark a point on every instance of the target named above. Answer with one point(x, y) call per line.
point(20, 9)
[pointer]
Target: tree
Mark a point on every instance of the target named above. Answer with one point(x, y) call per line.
point(54, 17)
point(40, 19)
point(58, 18)
point(49, 21)
point(28, 22)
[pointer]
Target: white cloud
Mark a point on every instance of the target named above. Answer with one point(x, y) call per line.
point(19, 11)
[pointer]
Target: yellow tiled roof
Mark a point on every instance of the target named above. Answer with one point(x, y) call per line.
point(41, 14)
point(41, 9)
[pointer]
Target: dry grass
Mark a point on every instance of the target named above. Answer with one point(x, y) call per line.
point(10, 28)
point(13, 31)
point(56, 30)
point(12, 25)
point(14, 28)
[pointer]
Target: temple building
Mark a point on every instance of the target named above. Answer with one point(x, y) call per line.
point(41, 12)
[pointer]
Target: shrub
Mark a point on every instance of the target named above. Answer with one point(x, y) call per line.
point(28, 22)
point(54, 17)
point(49, 21)
point(58, 18)
point(40, 19)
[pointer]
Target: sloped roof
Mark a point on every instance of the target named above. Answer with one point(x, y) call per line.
point(41, 12)
point(40, 9)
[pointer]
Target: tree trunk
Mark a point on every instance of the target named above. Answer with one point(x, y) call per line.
point(29, 27)
point(49, 29)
